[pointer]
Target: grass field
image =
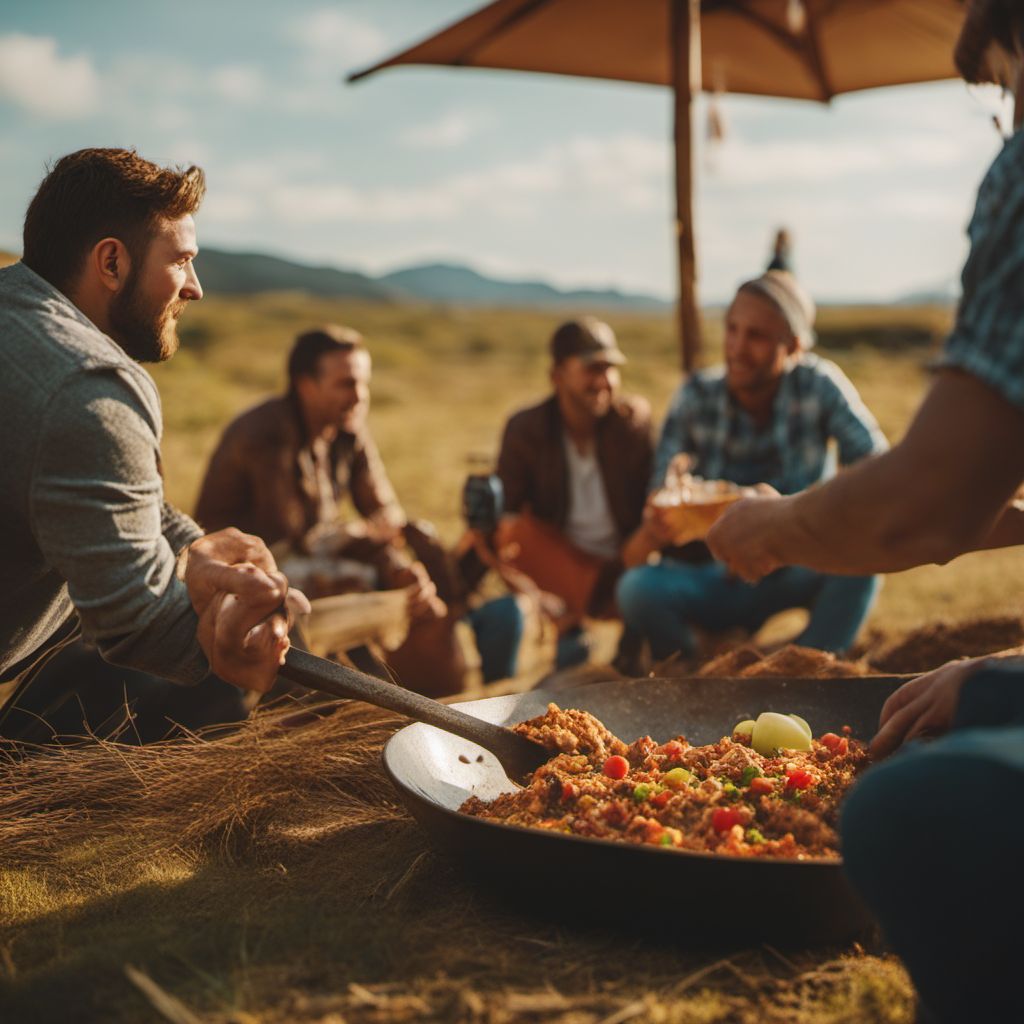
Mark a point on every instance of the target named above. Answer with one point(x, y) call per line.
point(445, 380)
point(270, 878)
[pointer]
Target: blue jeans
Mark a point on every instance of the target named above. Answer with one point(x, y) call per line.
point(662, 602)
point(498, 628)
point(933, 840)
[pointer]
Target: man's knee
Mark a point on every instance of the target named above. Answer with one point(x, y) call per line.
point(637, 592)
point(922, 818)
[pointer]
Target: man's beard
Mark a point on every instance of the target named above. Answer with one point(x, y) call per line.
point(148, 335)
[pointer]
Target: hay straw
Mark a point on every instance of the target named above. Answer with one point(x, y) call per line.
point(279, 770)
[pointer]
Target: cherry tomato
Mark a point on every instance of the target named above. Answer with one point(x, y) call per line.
point(568, 791)
point(762, 785)
point(799, 779)
point(837, 744)
point(661, 799)
point(616, 767)
point(723, 818)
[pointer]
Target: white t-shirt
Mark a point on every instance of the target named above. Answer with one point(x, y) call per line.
point(590, 525)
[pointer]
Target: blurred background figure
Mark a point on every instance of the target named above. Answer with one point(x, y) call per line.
point(767, 417)
point(574, 470)
point(782, 251)
point(286, 469)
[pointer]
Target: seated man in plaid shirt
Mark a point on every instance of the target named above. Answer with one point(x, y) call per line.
point(765, 418)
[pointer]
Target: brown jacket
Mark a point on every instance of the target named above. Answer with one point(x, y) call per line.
point(535, 472)
point(266, 478)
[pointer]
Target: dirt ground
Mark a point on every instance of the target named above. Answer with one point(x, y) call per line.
point(272, 876)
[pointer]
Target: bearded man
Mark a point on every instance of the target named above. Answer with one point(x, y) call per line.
point(90, 547)
point(575, 469)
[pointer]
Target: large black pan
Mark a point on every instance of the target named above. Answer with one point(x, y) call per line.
point(694, 896)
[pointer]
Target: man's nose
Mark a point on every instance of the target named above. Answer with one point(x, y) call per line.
point(192, 289)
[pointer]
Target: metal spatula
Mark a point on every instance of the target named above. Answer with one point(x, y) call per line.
point(516, 754)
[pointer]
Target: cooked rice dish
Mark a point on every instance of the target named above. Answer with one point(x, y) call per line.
point(723, 798)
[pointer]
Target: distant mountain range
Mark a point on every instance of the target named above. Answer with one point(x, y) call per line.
point(235, 273)
point(244, 273)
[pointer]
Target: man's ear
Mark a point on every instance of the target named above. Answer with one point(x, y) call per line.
point(109, 264)
point(793, 346)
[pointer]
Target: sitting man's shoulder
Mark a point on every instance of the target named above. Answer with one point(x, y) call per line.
point(532, 419)
point(702, 384)
point(268, 422)
point(816, 371)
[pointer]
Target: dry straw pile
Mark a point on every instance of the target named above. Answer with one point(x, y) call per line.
point(269, 876)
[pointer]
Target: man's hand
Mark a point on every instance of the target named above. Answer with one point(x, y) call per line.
point(659, 530)
point(244, 605)
point(423, 600)
point(742, 536)
point(923, 707)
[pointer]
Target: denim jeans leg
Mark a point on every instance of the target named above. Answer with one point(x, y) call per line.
point(660, 601)
point(498, 629)
point(932, 844)
point(838, 611)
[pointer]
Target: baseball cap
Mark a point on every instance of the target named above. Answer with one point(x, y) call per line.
point(589, 338)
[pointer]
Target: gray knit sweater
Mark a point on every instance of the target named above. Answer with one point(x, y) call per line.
point(84, 527)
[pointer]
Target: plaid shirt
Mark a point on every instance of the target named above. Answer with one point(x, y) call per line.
point(815, 403)
point(988, 337)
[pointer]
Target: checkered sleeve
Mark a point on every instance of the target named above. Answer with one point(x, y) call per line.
point(988, 337)
point(847, 418)
point(675, 433)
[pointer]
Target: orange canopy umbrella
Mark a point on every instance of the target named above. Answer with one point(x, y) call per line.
point(801, 49)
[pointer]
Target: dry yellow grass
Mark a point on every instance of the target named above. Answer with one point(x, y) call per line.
point(445, 380)
point(270, 877)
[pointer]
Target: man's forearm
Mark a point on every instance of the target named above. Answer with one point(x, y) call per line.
point(859, 522)
point(1008, 531)
point(937, 494)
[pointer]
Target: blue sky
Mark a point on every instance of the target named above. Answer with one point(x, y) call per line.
point(519, 175)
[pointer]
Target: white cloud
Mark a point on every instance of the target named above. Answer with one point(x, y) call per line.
point(238, 83)
point(35, 76)
point(625, 172)
point(334, 39)
point(738, 161)
point(447, 132)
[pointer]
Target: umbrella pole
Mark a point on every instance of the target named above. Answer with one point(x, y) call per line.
point(686, 83)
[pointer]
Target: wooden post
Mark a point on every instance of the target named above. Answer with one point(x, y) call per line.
point(686, 83)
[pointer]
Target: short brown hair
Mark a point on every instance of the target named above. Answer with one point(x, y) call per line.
point(99, 193)
point(304, 358)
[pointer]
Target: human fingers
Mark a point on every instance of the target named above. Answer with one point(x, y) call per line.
point(232, 545)
point(297, 604)
point(906, 694)
point(424, 602)
point(249, 582)
point(896, 730)
point(210, 555)
point(241, 651)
